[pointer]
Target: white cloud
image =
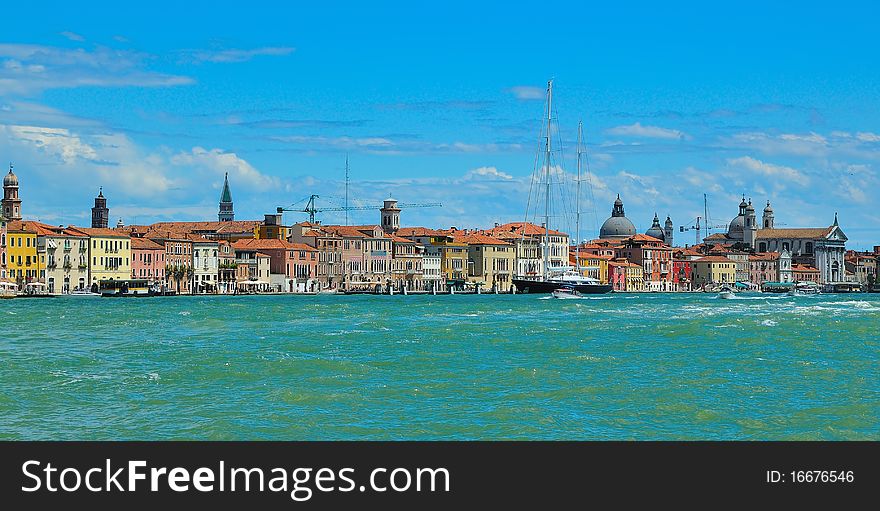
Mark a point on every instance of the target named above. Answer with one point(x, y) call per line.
point(72, 36)
point(219, 161)
point(787, 174)
point(234, 54)
point(56, 142)
point(868, 137)
point(490, 173)
point(527, 92)
point(638, 130)
point(29, 69)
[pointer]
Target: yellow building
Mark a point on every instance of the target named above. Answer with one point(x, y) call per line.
point(453, 258)
point(712, 270)
point(272, 228)
point(593, 265)
point(491, 262)
point(109, 254)
point(22, 263)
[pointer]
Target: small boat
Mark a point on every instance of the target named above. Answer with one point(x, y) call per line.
point(328, 291)
point(83, 292)
point(566, 293)
point(805, 289)
point(726, 294)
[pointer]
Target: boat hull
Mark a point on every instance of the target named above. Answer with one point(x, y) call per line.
point(538, 286)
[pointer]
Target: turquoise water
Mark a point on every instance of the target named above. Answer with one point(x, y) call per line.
point(441, 367)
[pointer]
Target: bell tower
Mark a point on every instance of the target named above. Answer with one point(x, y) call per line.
point(100, 213)
point(226, 214)
point(390, 215)
point(11, 203)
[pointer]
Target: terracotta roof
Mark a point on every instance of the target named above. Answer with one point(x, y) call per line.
point(714, 259)
point(261, 244)
point(478, 239)
point(764, 256)
point(303, 246)
point(21, 225)
point(643, 237)
point(346, 231)
point(218, 227)
point(398, 239)
point(99, 232)
point(808, 233)
point(260, 254)
point(417, 231)
point(145, 244)
point(520, 229)
point(313, 233)
point(803, 268)
point(716, 236)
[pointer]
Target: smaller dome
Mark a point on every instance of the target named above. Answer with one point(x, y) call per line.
point(656, 231)
point(749, 206)
point(743, 204)
point(11, 179)
point(767, 208)
point(735, 229)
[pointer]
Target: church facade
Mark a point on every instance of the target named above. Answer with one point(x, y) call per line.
point(823, 248)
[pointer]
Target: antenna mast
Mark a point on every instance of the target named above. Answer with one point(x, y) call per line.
point(346, 189)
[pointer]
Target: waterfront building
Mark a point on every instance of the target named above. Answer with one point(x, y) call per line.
point(618, 226)
point(22, 264)
point(254, 270)
point(625, 276)
point(226, 267)
point(109, 255)
point(377, 253)
point(292, 266)
point(741, 258)
point(3, 276)
point(147, 260)
point(433, 277)
point(591, 264)
point(713, 270)
point(823, 248)
point(407, 259)
point(206, 265)
point(529, 240)
point(10, 206)
point(100, 212)
point(226, 214)
point(764, 267)
point(453, 260)
point(653, 256)
point(491, 261)
point(178, 258)
point(682, 268)
point(863, 266)
point(66, 253)
point(805, 273)
point(330, 267)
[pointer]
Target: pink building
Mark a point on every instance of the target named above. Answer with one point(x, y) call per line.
point(2, 248)
point(147, 260)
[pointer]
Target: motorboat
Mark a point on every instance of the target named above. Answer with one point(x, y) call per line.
point(83, 292)
point(566, 293)
point(804, 289)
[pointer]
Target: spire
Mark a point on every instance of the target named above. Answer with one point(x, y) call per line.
point(226, 196)
point(100, 191)
point(835, 220)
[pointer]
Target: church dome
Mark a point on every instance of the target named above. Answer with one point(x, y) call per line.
point(768, 208)
point(656, 231)
point(10, 179)
point(618, 226)
point(735, 229)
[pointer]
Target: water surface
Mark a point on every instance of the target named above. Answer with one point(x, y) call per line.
point(621, 366)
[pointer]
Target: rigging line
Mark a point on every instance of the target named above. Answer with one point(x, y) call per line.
point(534, 178)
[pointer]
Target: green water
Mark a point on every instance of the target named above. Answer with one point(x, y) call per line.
point(441, 367)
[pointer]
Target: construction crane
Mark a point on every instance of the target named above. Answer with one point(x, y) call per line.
point(696, 227)
point(312, 210)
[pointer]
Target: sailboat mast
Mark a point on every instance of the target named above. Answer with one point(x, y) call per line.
point(577, 239)
point(547, 172)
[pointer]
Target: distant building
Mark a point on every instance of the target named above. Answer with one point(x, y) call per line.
point(67, 258)
point(2, 247)
point(22, 264)
point(491, 261)
point(11, 203)
point(712, 270)
point(390, 216)
point(823, 248)
point(618, 226)
point(653, 256)
point(100, 212)
point(664, 233)
point(147, 260)
point(110, 254)
point(226, 214)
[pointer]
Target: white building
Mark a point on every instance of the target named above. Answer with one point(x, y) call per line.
point(206, 266)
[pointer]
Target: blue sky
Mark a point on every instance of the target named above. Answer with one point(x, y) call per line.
point(443, 102)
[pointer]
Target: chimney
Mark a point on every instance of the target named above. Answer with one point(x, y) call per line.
point(497, 225)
